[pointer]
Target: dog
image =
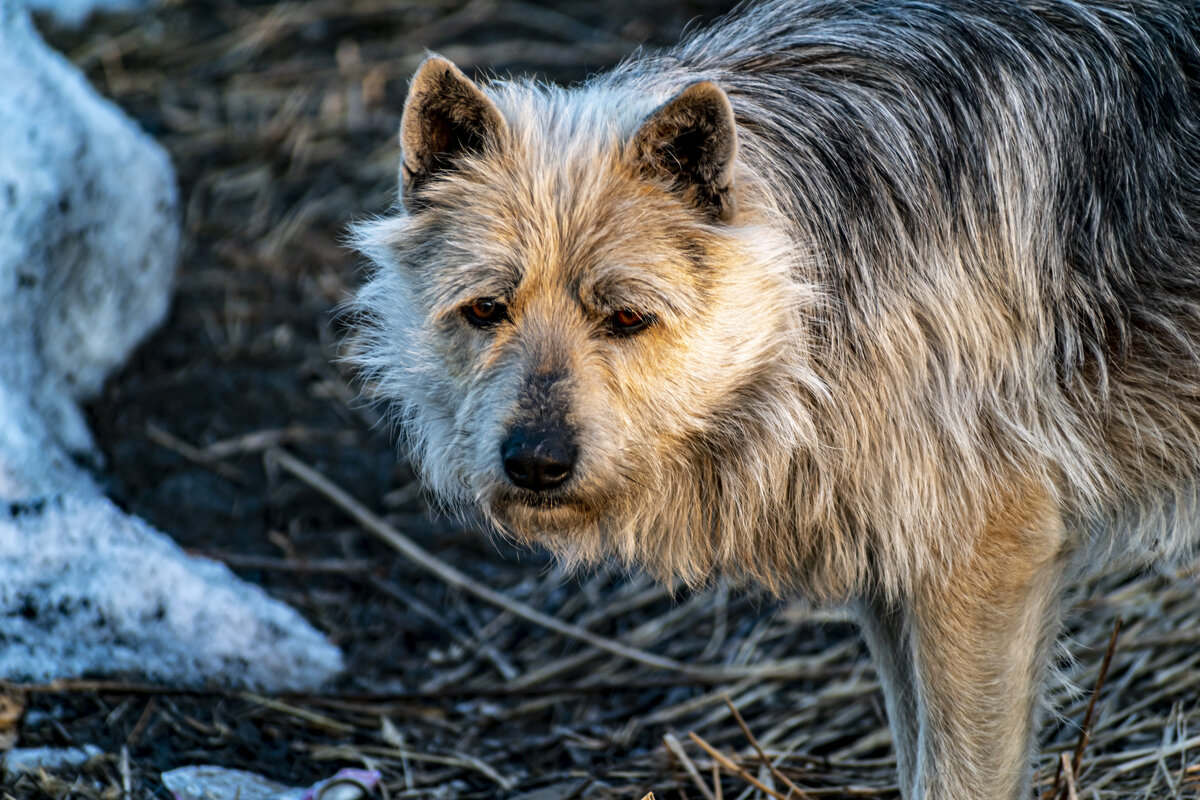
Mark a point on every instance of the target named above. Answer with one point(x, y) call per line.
point(894, 303)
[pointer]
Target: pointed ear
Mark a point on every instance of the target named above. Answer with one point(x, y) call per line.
point(445, 116)
point(691, 141)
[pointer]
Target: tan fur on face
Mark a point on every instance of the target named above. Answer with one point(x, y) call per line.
point(564, 241)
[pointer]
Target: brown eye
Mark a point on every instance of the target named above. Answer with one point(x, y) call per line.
point(485, 312)
point(626, 321)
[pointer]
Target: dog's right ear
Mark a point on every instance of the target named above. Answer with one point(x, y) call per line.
point(445, 116)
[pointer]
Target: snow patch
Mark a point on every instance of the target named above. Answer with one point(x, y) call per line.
point(89, 234)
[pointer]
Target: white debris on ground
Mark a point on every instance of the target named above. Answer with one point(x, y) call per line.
point(24, 760)
point(210, 783)
point(219, 783)
point(88, 238)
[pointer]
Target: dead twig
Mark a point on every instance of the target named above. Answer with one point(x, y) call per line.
point(676, 749)
point(311, 717)
point(257, 441)
point(768, 763)
point(730, 765)
point(1068, 775)
point(1089, 718)
point(461, 760)
point(171, 442)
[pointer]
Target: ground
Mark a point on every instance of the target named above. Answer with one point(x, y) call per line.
point(281, 120)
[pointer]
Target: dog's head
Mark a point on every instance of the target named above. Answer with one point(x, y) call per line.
point(580, 330)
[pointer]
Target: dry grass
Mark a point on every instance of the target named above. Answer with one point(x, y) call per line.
point(476, 671)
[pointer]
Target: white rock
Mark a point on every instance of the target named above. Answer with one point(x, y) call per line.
point(218, 783)
point(21, 760)
point(88, 238)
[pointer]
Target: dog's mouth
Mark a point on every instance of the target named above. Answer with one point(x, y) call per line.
point(546, 511)
point(540, 501)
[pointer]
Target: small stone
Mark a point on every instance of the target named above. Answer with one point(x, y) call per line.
point(31, 759)
point(219, 783)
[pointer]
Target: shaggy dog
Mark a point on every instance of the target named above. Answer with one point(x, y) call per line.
point(889, 302)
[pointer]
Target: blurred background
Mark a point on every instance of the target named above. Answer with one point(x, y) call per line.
point(281, 119)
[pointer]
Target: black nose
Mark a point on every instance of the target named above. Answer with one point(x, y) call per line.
point(539, 458)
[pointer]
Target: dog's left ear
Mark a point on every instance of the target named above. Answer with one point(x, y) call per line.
point(691, 141)
point(445, 116)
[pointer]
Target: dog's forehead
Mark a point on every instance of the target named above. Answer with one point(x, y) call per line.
point(574, 215)
point(589, 244)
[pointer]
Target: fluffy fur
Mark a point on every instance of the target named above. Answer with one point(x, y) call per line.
point(924, 291)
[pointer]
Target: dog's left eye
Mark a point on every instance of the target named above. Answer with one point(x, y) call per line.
point(626, 321)
point(485, 312)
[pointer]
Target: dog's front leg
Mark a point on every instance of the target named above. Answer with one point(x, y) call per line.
point(885, 626)
point(963, 660)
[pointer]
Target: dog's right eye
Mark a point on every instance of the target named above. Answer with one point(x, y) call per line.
point(485, 312)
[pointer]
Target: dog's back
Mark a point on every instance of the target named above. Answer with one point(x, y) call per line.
point(1001, 203)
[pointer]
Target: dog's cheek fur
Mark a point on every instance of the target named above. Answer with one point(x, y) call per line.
point(398, 349)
